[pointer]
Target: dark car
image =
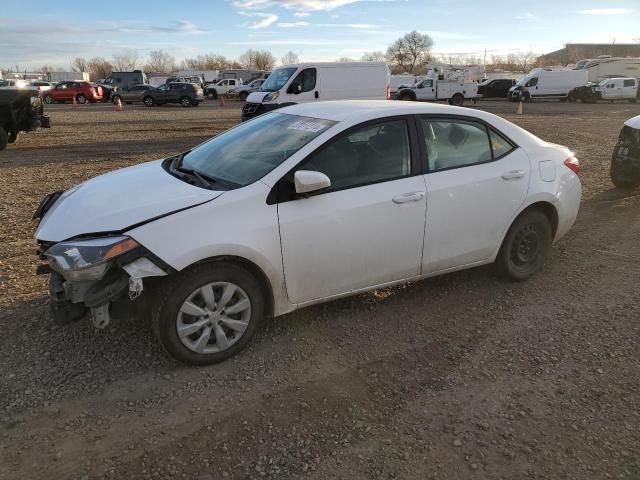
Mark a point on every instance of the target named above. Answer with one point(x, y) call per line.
point(186, 94)
point(20, 111)
point(496, 88)
point(625, 161)
point(132, 94)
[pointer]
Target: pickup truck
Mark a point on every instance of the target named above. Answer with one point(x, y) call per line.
point(20, 111)
point(222, 87)
point(243, 91)
point(434, 89)
point(611, 89)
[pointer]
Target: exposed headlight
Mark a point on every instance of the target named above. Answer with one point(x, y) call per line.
point(85, 260)
point(271, 97)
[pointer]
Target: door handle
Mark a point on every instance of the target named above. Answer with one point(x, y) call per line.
point(316, 94)
point(408, 197)
point(513, 174)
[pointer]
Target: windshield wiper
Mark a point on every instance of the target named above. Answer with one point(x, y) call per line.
point(203, 180)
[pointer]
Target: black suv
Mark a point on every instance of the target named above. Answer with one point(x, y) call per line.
point(186, 94)
point(497, 88)
point(20, 111)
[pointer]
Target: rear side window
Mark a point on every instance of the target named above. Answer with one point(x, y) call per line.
point(629, 83)
point(500, 145)
point(455, 143)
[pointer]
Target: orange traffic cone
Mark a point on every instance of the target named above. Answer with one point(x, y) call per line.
point(75, 103)
point(119, 105)
point(222, 100)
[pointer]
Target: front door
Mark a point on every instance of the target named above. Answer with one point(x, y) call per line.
point(367, 228)
point(426, 90)
point(477, 182)
point(305, 87)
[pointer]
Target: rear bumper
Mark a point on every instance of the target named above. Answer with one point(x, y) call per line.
point(568, 207)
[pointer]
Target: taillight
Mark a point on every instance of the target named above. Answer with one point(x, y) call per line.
point(573, 164)
point(388, 92)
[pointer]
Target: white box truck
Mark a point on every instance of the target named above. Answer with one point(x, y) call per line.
point(313, 82)
point(610, 67)
point(544, 83)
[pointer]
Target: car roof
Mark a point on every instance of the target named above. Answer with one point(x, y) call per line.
point(358, 111)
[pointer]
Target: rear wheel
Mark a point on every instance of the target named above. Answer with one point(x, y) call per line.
point(572, 97)
point(457, 99)
point(115, 99)
point(148, 102)
point(243, 96)
point(81, 99)
point(4, 139)
point(209, 313)
point(525, 247)
point(48, 99)
point(185, 102)
point(213, 94)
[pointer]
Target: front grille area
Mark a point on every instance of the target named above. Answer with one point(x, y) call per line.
point(250, 108)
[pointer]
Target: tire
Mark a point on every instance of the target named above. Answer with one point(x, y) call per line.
point(625, 185)
point(572, 97)
point(81, 99)
point(4, 139)
point(405, 97)
point(187, 286)
point(457, 100)
point(12, 137)
point(49, 99)
point(148, 101)
point(214, 94)
point(128, 103)
point(185, 102)
point(515, 260)
point(115, 98)
point(243, 96)
point(195, 104)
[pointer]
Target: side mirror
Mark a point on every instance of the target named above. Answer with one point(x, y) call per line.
point(308, 181)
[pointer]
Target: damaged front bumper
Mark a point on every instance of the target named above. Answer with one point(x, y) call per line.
point(110, 296)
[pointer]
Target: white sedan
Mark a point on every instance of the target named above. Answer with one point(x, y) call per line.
point(300, 206)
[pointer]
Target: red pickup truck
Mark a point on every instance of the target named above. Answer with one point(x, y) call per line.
point(83, 92)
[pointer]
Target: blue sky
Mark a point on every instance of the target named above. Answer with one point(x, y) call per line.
point(33, 33)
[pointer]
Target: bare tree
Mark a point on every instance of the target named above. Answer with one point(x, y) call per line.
point(257, 60)
point(79, 64)
point(376, 56)
point(160, 62)
point(98, 67)
point(126, 60)
point(289, 58)
point(206, 62)
point(409, 51)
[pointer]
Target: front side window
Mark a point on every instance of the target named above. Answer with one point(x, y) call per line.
point(455, 143)
point(248, 152)
point(371, 154)
point(278, 78)
point(306, 79)
point(533, 82)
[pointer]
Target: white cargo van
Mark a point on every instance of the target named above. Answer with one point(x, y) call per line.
point(313, 82)
point(547, 83)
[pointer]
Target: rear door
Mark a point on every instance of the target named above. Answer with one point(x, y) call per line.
point(629, 88)
point(477, 180)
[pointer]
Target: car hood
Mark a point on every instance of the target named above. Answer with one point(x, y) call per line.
point(257, 97)
point(118, 200)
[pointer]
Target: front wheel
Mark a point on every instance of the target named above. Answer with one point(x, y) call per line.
point(81, 99)
point(243, 96)
point(115, 99)
point(525, 247)
point(185, 102)
point(48, 99)
point(148, 101)
point(4, 139)
point(209, 313)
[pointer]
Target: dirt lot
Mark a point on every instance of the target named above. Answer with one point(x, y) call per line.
point(457, 377)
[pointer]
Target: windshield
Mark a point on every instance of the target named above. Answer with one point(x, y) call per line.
point(277, 79)
point(248, 152)
point(484, 82)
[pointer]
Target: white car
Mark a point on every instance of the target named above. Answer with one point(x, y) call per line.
point(300, 206)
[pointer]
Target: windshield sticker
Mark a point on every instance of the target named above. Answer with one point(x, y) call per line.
point(311, 125)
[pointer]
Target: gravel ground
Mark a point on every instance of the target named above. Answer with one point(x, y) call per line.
point(461, 376)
